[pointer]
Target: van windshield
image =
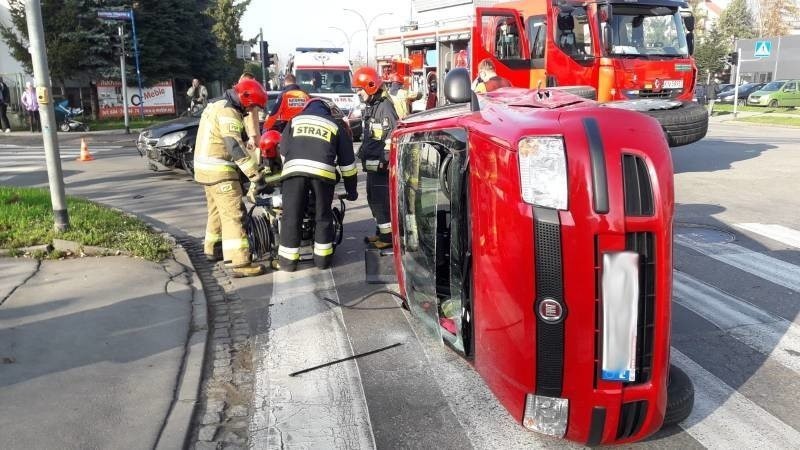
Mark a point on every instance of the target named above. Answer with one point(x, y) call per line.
point(773, 86)
point(324, 81)
point(647, 31)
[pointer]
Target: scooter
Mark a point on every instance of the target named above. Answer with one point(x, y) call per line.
point(69, 123)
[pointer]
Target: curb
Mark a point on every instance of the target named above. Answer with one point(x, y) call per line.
point(178, 422)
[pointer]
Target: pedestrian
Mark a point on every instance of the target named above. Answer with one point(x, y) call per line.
point(401, 97)
point(312, 146)
point(290, 102)
point(198, 96)
point(31, 104)
point(488, 80)
point(379, 119)
point(432, 99)
point(711, 93)
point(5, 99)
point(219, 152)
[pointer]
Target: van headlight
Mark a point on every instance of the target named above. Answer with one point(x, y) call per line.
point(171, 139)
point(543, 171)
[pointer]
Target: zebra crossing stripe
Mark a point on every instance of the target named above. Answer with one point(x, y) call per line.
point(770, 335)
point(777, 233)
point(723, 418)
point(763, 266)
point(324, 408)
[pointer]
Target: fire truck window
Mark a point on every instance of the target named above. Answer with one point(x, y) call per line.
point(574, 35)
point(537, 35)
point(501, 37)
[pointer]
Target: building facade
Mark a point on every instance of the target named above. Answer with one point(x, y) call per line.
point(767, 59)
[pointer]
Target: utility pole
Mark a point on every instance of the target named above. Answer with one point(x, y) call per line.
point(41, 73)
point(736, 82)
point(124, 77)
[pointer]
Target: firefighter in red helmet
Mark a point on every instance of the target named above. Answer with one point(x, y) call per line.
point(379, 119)
point(290, 102)
point(218, 157)
point(313, 145)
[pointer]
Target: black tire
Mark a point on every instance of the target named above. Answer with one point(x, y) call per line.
point(586, 92)
point(683, 125)
point(773, 103)
point(64, 127)
point(680, 397)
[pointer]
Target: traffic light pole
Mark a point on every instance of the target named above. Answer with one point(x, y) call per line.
point(41, 73)
point(263, 57)
point(736, 82)
point(124, 78)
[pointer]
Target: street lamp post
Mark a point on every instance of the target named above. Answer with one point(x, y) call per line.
point(367, 25)
point(348, 38)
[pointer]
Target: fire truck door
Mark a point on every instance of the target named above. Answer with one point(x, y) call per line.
point(498, 34)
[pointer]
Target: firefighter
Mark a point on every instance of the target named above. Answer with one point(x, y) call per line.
point(219, 152)
point(252, 128)
point(289, 104)
point(401, 97)
point(312, 145)
point(379, 119)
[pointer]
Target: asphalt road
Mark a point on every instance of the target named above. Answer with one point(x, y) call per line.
point(735, 309)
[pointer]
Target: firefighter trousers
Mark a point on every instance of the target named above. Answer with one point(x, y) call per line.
point(295, 191)
point(378, 200)
point(225, 212)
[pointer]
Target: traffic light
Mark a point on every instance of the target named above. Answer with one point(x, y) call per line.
point(733, 57)
point(265, 56)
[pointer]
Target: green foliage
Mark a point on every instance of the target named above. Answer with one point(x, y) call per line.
point(736, 22)
point(227, 15)
point(709, 54)
point(75, 40)
point(26, 219)
point(775, 17)
point(177, 38)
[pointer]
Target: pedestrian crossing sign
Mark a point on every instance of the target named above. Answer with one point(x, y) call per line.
point(763, 49)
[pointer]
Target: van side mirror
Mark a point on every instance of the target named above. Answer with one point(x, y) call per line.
point(688, 23)
point(457, 86)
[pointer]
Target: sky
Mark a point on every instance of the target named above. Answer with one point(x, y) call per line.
point(289, 24)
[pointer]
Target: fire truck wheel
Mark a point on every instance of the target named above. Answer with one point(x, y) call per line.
point(586, 92)
point(680, 397)
point(683, 125)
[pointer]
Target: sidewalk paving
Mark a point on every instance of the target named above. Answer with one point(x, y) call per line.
point(99, 352)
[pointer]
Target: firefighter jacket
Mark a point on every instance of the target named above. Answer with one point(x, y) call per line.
point(402, 99)
point(379, 121)
point(313, 144)
point(219, 149)
point(289, 104)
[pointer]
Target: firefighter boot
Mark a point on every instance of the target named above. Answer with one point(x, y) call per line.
point(247, 270)
point(216, 255)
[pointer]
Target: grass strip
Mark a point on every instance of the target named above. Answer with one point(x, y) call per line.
point(26, 219)
point(767, 120)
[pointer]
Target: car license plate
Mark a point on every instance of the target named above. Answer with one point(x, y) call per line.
point(673, 84)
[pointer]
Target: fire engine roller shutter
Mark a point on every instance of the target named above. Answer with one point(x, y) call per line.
point(549, 286)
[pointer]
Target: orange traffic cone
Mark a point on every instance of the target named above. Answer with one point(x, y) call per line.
point(85, 155)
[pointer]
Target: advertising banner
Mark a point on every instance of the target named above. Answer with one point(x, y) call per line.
point(158, 99)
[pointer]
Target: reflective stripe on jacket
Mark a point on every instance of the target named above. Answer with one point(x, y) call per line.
point(213, 163)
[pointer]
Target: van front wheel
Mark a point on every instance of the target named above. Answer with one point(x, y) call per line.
point(680, 397)
point(773, 103)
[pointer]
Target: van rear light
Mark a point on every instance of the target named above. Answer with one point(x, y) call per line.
point(546, 415)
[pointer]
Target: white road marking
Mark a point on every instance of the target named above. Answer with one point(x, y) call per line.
point(763, 266)
point(768, 334)
point(777, 233)
point(324, 408)
point(723, 418)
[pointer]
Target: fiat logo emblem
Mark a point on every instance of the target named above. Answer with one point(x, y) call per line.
point(550, 310)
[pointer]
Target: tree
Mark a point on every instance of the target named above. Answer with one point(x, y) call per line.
point(76, 42)
point(775, 17)
point(700, 17)
point(227, 15)
point(710, 53)
point(736, 22)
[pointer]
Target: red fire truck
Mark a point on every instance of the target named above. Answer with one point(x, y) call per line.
point(634, 54)
point(533, 234)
